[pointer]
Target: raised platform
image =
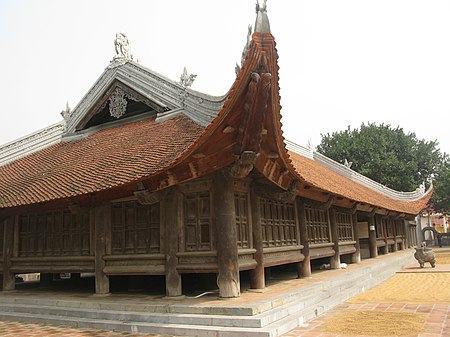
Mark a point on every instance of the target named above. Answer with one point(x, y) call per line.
point(286, 303)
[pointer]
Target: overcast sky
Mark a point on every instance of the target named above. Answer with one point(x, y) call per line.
point(341, 62)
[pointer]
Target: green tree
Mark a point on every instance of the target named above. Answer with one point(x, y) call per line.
point(440, 200)
point(387, 155)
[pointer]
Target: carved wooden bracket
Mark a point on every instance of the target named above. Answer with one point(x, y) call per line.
point(354, 208)
point(372, 213)
point(244, 165)
point(316, 204)
point(145, 197)
point(289, 195)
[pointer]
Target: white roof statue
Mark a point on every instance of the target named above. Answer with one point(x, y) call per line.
point(122, 47)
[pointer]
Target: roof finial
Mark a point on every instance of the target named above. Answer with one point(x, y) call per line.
point(122, 47)
point(67, 112)
point(187, 80)
point(262, 21)
point(347, 164)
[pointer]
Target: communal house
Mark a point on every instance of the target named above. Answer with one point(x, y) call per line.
point(146, 176)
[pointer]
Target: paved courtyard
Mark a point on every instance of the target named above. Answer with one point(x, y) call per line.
point(413, 295)
point(420, 295)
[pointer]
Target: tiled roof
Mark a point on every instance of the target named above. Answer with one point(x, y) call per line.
point(103, 160)
point(321, 177)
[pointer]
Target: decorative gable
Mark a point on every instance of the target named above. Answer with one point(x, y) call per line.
point(119, 102)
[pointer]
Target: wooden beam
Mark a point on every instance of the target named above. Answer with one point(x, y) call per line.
point(145, 197)
point(317, 204)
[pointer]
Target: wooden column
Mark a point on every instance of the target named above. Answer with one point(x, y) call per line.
point(2, 235)
point(386, 246)
point(373, 250)
point(102, 240)
point(304, 267)
point(227, 252)
point(356, 256)
point(173, 221)
point(394, 229)
point(405, 233)
point(335, 260)
point(257, 279)
point(9, 282)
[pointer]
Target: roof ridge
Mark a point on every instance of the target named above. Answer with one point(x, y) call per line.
point(32, 142)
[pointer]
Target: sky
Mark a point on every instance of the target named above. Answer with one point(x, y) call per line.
point(342, 62)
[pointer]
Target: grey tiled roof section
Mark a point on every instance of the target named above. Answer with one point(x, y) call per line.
point(168, 94)
point(355, 176)
point(31, 143)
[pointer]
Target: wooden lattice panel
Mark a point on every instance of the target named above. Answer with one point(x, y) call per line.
point(54, 233)
point(317, 225)
point(278, 223)
point(135, 228)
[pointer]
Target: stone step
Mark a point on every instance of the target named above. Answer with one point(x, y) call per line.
point(130, 316)
point(259, 307)
point(135, 327)
point(271, 317)
point(256, 321)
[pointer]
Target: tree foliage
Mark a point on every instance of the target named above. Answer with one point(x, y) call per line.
point(392, 157)
point(441, 196)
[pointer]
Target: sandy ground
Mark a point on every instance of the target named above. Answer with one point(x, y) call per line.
point(425, 286)
point(410, 288)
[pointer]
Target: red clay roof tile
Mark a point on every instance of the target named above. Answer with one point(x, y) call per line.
point(103, 160)
point(328, 180)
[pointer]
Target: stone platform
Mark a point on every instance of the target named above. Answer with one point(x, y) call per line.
point(286, 303)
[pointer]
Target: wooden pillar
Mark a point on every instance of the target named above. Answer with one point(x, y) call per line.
point(102, 238)
point(335, 260)
point(394, 229)
point(373, 250)
point(356, 256)
point(9, 282)
point(227, 252)
point(405, 239)
point(407, 236)
point(173, 221)
point(386, 246)
point(304, 267)
point(257, 279)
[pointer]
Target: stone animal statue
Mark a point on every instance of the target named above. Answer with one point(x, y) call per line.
point(424, 254)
